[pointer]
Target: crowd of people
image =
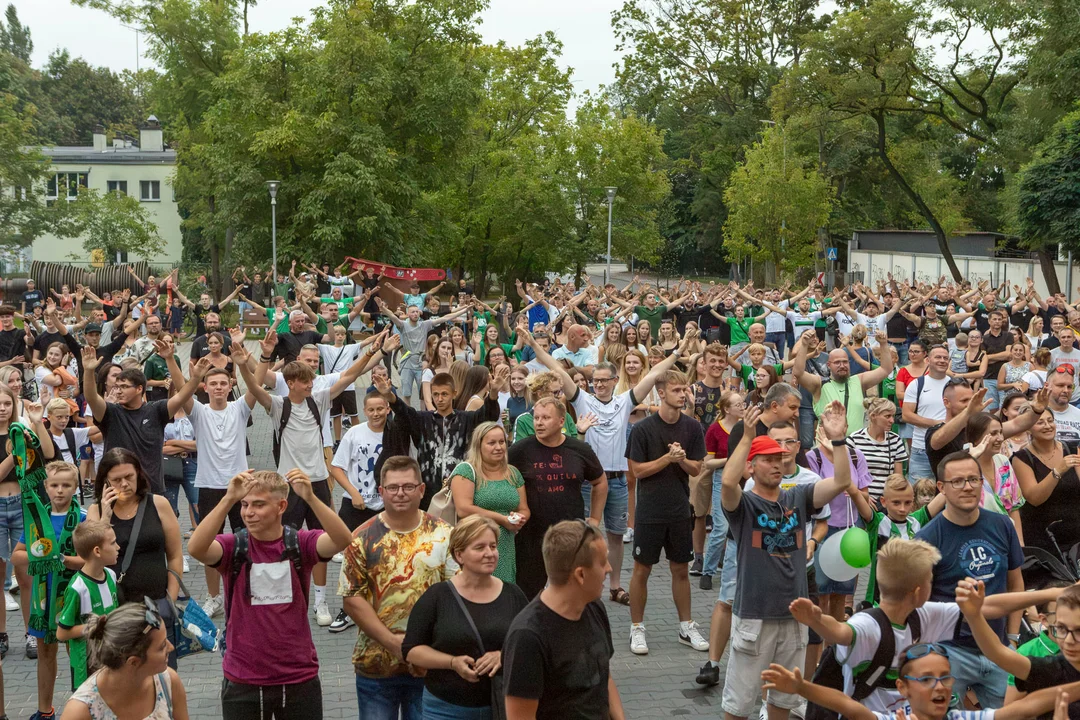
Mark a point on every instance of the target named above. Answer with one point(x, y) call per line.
point(508, 454)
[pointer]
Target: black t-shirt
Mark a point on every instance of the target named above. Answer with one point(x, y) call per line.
point(142, 432)
point(200, 313)
point(994, 344)
point(33, 298)
point(436, 621)
point(982, 319)
point(12, 344)
point(936, 456)
point(289, 344)
point(665, 496)
point(683, 315)
point(553, 479)
point(45, 339)
point(564, 664)
point(1022, 318)
point(199, 348)
point(1047, 672)
point(899, 327)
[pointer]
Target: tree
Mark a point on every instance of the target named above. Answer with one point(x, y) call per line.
point(1049, 189)
point(15, 37)
point(776, 203)
point(23, 170)
point(112, 223)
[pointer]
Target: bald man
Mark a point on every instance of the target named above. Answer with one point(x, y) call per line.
point(578, 351)
point(841, 385)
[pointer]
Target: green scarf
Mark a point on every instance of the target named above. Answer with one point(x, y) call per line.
point(46, 553)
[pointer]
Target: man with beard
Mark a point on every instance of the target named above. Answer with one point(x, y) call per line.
point(842, 386)
point(212, 324)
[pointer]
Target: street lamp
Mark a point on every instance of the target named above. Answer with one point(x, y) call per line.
point(272, 185)
point(610, 199)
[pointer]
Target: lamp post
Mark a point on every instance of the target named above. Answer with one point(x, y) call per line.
point(272, 185)
point(610, 199)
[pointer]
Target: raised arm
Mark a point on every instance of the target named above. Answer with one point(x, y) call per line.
point(570, 388)
point(970, 595)
point(90, 363)
point(807, 380)
point(256, 393)
point(731, 491)
point(834, 425)
point(872, 377)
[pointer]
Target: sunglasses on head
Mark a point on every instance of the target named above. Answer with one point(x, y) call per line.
point(1065, 370)
point(153, 617)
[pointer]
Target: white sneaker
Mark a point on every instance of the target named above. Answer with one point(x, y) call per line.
point(693, 638)
point(187, 565)
point(322, 614)
point(638, 646)
point(12, 603)
point(213, 605)
point(628, 536)
point(339, 557)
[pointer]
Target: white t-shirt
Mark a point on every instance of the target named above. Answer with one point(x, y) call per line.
point(1035, 379)
point(1059, 357)
point(338, 359)
point(608, 437)
point(1068, 424)
point(45, 392)
point(951, 715)
point(775, 322)
point(356, 455)
point(299, 441)
point(801, 323)
point(929, 404)
point(322, 382)
point(82, 435)
point(938, 622)
point(220, 436)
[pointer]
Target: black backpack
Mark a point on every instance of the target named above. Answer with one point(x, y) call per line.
point(69, 435)
point(286, 412)
point(830, 672)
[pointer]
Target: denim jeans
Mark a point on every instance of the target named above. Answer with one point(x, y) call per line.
point(807, 418)
point(992, 395)
point(11, 524)
point(438, 709)
point(390, 698)
point(901, 352)
point(172, 490)
point(919, 465)
point(616, 506)
point(409, 378)
point(973, 671)
point(714, 544)
point(778, 339)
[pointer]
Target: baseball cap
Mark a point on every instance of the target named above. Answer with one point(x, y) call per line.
point(764, 445)
point(93, 328)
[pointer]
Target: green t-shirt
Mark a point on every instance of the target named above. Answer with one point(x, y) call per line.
point(746, 372)
point(850, 397)
point(654, 317)
point(739, 329)
point(523, 428)
point(507, 348)
point(342, 305)
point(84, 597)
point(282, 289)
point(1042, 646)
point(283, 326)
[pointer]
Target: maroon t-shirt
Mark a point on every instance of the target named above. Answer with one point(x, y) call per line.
point(716, 441)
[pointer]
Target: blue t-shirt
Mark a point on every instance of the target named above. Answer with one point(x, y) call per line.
point(985, 551)
point(57, 524)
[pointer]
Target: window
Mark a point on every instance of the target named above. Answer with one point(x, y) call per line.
point(150, 190)
point(119, 186)
point(68, 183)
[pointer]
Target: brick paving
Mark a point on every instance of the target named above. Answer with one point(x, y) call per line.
point(657, 685)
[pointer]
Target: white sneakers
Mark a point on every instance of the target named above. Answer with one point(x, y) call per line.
point(628, 536)
point(322, 614)
point(12, 603)
point(213, 605)
point(692, 636)
point(638, 645)
point(339, 557)
point(187, 564)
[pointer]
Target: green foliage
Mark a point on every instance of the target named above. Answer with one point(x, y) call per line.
point(23, 215)
point(14, 36)
point(776, 202)
point(111, 223)
point(1049, 188)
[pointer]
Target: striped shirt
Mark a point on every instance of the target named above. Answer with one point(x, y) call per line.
point(880, 457)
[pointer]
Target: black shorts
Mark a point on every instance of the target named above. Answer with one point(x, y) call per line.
point(209, 499)
point(352, 517)
point(675, 538)
point(344, 404)
point(299, 512)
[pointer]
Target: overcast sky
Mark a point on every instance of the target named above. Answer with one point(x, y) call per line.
point(584, 26)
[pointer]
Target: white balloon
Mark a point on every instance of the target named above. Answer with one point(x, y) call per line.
point(832, 563)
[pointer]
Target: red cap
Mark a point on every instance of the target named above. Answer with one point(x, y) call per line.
point(764, 445)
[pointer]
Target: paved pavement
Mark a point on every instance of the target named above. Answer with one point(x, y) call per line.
point(657, 685)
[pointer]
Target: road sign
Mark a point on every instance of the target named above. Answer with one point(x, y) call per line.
point(830, 253)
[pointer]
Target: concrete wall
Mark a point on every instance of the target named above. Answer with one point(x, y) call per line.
point(928, 268)
point(164, 213)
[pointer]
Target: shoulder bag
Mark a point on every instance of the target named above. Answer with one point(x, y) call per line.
point(498, 699)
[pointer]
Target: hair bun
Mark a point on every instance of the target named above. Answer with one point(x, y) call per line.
point(95, 627)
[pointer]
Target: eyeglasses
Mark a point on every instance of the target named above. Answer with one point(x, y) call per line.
point(929, 681)
point(787, 443)
point(395, 489)
point(153, 617)
point(1060, 632)
point(604, 380)
point(1065, 369)
point(960, 483)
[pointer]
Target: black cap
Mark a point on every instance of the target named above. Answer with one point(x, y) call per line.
point(93, 328)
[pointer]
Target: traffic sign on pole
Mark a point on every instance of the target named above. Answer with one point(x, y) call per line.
point(830, 253)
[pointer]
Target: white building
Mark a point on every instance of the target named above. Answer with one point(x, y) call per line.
point(142, 170)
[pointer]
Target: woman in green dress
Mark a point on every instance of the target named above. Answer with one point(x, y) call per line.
point(485, 484)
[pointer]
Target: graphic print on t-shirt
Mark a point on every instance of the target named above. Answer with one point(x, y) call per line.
point(980, 560)
point(780, 537)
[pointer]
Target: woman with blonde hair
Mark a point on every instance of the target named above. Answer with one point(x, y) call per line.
point(11, 377)
point(462, 351)
point(487, 486)
point(884, 450)
point(444, 623)
point(131, 647)
point(610, 340)
point(458, 371)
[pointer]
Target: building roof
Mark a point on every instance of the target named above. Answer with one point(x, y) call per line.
point(109, 156)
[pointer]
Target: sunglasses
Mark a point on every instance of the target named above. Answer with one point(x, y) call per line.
point(588, 532)
point(921, 650)
point(153, 617)
point(1065, 369)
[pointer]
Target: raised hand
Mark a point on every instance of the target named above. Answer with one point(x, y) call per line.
point(750, 421)
point(237, 336)
point(300, 484)
point(202, 367)
point(779, 678)
point(90, 360)
point(268, 343)
point(970, 595)
point(834, 421)
point(585, 422)
point(163, 348)
point(391, 343)
point(35, 412)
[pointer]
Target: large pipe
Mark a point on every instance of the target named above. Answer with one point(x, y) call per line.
point(52, 275)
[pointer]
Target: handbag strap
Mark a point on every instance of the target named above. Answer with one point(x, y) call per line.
point(133, 539)
point(465, 612)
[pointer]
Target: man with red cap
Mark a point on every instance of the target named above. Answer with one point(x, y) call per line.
point(768, 524)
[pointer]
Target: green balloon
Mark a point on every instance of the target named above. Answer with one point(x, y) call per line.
point(855, 547)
